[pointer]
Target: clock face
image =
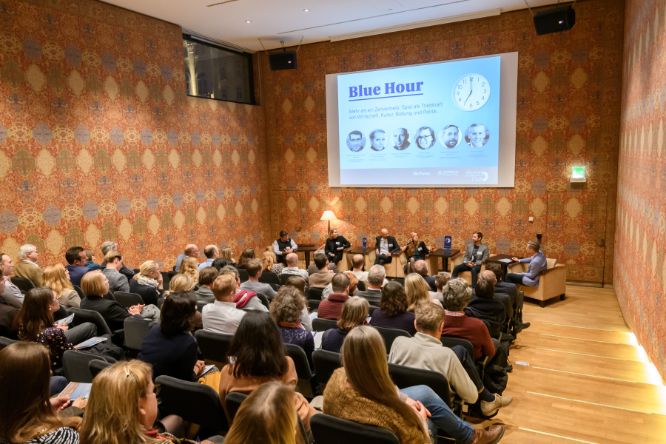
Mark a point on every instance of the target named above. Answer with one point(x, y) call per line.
point(471, 92)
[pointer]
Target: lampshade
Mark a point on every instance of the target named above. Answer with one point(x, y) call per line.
point(328, 215)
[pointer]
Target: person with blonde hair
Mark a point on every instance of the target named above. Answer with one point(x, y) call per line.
point(181, 282)
point(267, 416)
point(27, 415)
point(354, 313)
point(222, 316)
point(190, 267)
point(122, 407)
point(269, 273)
point(417, 290)
point(148, 283)
point(56, 277)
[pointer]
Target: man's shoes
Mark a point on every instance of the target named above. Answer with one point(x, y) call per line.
point(520, 326)
point(490, 408)
point(490, 435)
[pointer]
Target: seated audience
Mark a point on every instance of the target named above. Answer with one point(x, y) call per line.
point(331, 307)
point(286, 310)
point(207, 276)
point(112, 246)
point(226, 258)
point(421, 268)
point(27, 415)
point(244, 299)
point(425, 351)
point(35, 323)
point(508, 294)
point(353, 285)
point(299, 283)
point(96, 287)
point(485, 307)
point(268, 416)
point(56, 277)
point(457, 295)
point(222, 316)
point(76, 264)
point(258, 356)
point(170, 347)
point(254, 269)
point(440, 281)
point(292, 267)
point(117, 281)
point(354, 313)
point(191, 250)
point(91, 264)
point(417, 290)
point(28, 268)
point(269, 273)
point(392, 311)
point(358, 261)
point(190, 267)
point(211, 252)
point(373, 291)
point(362, 391)
point(122, 408)
point(322, 277)
point(148, 283)
point(245, 257)
point(8, 327)
point(11, 294)
point(181, 282)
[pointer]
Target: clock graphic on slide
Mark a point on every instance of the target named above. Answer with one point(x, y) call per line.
point(471, 92)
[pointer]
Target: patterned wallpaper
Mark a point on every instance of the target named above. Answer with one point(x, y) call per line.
point(98, 140)
point(640, 265)
point(568, 113)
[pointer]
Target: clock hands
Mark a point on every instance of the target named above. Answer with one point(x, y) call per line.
point(471, 89)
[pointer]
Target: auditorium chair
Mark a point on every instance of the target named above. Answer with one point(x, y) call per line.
point(303, 370)
point(213, 346)
point(552, 282)
point(76, 365)
point(319, 324)
point(127, 299)
point(389, 335)
point(328, 429)
point(24, 284)
point(135, 331)
point(232, 403)
point(325, 363)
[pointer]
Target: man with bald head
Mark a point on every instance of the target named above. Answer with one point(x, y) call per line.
point(385, 246)
point(191, 250)
point(292, 267)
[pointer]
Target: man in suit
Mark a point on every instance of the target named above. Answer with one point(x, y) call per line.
point(28, 268)
point(476, 254)
point(385, 245)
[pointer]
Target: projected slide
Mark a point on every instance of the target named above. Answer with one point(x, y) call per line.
point(438, 124)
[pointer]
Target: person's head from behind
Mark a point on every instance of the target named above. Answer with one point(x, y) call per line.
point(417, 289)
point(227, 254)
point(56, 278)
point(429, 319)
point(108, 246)
point(231, 270)
point(246, 255)
point(207, 276)
point(36, 313)
point(420, 267)
point(496, 268)
point(297, 282)
point(340, 283)
point(224, 287)
point(177, 313)
point(376, 276)
point(287, 305)
point(267, 260)
point(394, 299)
point(254, 268)
point(441, 279)
point(94, 284)
point(456, 294)
point(357, 261)
point(257, 347)
point(485, 285)
point(76, 256)
point(364, 361)
point(25, 411)
point(320, 261)
point(292, 260)
point(267, 416)
point(122, 405)
point(189, 265)
point(181, 282)
point(149, 269)
point(353, 281)
point(354, 313)
point(191, 250)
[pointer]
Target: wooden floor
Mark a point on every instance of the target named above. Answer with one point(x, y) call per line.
point(579, 378)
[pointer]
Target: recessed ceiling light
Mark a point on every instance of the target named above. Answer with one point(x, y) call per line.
point(306, 10)
point(248, 21)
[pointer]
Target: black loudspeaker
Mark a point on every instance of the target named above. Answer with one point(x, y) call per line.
point(558, 19)
point(282, 60)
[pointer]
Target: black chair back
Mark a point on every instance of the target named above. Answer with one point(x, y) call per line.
point(300, 361)
point(200, 305)
point(268, 277)
point(319, 324)
point(166, 278)
point(404, 377)
point(232, 403)
point(389, 335)
point(82, 315)
point(325, 363)
point(97, 365)
point(22, 283)
point(194, 402)
point(127, 299)
point(4, 342)
point(136, 330)
point(313, 305)
point(315, 293)
point(243, 274)
point(283, 278)
point(328, 429)
point(264, 300)
point(450, 341)
point(213, 346)
point(75, 365)
point(79, 291)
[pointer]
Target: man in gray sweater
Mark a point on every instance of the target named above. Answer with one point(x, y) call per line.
point(117, 281)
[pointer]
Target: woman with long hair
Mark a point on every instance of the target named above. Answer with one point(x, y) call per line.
point(56, 277)
point(245, 257)
point(418, 291)
point(268, 275)
point(392, 311)
point(122, 407)
point(354, 313)
point(27, 415)
point(190, 267)
point(148, 283)
point(267, 416)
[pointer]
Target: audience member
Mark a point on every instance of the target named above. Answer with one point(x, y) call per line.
point(508, 291)
point(11, 294)
point(440, 281)
point(211, 252)
point(358, 261)
point(226, 258)
point(27, 415)
point(76, 264)
point(322, 277)
point(90, 263)
point(254, 268)
point(191, 250)
point(483, 305)
point(206, 278)
point(181, 282)
point(112, 246)
point(421, 268)
point(170, 347)
point(222, 316)
point(190, 267)
point(56, 277)
point(417, 290)
point(244, 299)
point(148, 283)
point(245, 257)
point(286, 310)
point(292, 267)
point(117, 281)
point(373, 291)
point(354, 313)
point(300, 284)
point(392, 311)
point(331, 307)
point(269, 274)
point(28, 268)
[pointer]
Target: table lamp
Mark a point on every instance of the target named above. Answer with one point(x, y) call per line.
point(328, 216)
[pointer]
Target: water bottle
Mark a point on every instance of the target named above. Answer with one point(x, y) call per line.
point(365, 244)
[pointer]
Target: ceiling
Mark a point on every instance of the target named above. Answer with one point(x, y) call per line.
point(255, 25)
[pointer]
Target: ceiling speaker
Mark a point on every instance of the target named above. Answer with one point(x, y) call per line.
point(558, 19)
point(282, 60)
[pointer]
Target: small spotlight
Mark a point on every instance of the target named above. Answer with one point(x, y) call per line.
point(306, 10)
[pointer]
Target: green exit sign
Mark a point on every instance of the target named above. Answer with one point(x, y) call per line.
point(578, 173)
